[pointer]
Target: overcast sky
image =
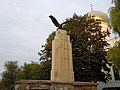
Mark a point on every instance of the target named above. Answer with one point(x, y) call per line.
point(25, 25)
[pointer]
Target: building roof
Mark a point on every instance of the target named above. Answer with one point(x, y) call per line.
point(100, 15)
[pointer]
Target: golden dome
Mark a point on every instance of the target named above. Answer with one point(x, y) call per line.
point(100, 15)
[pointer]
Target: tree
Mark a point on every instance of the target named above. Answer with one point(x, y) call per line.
point(45, 69)
point(9, 75)
point(113, 53)
point(34, 71)
point(115, 16)
point(29, 71)
point(2, 86)
point(88, 48)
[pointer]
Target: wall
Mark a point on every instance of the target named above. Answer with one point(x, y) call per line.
point(48, 85)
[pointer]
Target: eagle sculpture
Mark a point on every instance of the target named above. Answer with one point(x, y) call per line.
point(56, 23)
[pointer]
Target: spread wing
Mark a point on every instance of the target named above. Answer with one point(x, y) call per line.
point(55, 22)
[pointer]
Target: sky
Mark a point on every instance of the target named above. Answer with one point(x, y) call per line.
point(25, 24)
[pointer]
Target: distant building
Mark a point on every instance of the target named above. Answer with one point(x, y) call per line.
point(105, 21)
point(113, 41)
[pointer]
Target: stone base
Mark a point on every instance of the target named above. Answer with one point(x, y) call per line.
point(61, 86)
point(33, 85)
point(85, 86)
point(48, 85)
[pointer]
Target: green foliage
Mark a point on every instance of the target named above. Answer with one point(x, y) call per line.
point(114, 55)
point(88, 48)
point(29, 71)
point(34, 71)
point(2, 86)
point(9, 75)
point(45, 68)
point(115, 16)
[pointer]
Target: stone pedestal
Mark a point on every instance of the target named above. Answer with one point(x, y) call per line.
point(48, 85)
point(62, 65)
point(62, 86)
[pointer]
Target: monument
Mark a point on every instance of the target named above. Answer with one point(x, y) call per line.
point(62, 64)
point(62, 75)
